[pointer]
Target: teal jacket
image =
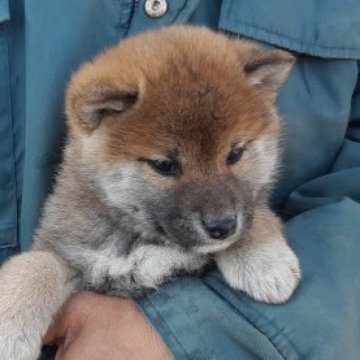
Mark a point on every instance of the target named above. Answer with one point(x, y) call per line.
point(42, 42)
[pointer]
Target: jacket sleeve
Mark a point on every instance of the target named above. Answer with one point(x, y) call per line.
point(205, 319)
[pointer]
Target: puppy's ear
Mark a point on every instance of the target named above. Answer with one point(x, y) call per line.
point(266, 70)
point(97, 104)
point(89, 103)
point(90, 107)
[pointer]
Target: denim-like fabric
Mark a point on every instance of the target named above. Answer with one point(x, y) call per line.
point(42, 42)
point(204, 319)
point(325, 28)
point(12, 134)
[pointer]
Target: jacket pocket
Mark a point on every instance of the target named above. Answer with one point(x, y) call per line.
point(8, 198)
point(323, 28)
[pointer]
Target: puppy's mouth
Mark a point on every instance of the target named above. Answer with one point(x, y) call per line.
point(210, 246)
point(195, 239)
point(214, 247)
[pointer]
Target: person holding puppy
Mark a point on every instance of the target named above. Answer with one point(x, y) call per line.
point(317, 196)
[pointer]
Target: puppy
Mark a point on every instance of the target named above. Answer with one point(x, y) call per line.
point(172, 150)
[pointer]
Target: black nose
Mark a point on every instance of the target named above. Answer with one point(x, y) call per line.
point(220, 228)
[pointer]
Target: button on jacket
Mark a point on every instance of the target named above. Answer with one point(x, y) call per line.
point(42, 42)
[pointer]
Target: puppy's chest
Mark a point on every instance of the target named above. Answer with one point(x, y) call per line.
point(142, 270)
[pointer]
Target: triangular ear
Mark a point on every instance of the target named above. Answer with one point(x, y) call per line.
point(100, 104)
point(89, 106)
point(267, 70)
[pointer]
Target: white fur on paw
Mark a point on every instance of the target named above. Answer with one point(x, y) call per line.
point(13, 346)
point(19, 339)
point(268, 274)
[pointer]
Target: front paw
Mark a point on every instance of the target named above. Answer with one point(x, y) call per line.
point(268, 274)
point(16, 343)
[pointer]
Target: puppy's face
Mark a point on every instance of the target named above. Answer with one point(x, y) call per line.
point(177, 128)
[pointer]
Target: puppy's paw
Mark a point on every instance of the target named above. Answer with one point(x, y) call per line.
point(269, 273)
point(19, 335)
point(15, 345)
point(33, 286)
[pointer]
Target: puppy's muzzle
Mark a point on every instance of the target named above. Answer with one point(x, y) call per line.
point(220, 228)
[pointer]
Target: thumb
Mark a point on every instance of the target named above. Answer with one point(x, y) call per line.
point(57, 331)
point(69, 320)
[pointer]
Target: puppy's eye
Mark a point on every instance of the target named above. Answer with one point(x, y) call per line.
point(166, 167)
point(235, 155)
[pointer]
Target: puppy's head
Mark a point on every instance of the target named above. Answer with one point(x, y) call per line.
point(178, 128)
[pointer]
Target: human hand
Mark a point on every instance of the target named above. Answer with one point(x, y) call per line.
point(94, 327)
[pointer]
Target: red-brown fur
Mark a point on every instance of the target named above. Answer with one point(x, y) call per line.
point(211, 105)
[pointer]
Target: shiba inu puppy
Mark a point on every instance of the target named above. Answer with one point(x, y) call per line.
point(172, 150)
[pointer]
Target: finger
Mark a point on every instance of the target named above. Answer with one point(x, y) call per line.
point(71, 318)
point(57, 331)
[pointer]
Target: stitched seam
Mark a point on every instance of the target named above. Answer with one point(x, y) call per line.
point(188, 5)
point(279, 34)
point(16, 190)
point(14, 241)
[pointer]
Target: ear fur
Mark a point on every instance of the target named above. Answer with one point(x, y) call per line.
point(97, 104)
point(91, 105)
point(267, 70)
